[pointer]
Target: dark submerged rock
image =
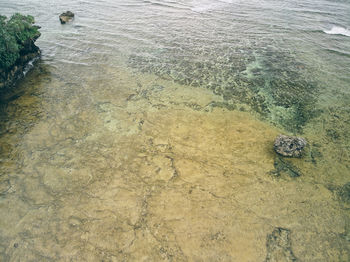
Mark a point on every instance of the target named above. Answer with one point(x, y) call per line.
point(344, 193)
point(279, 246)
point(289, 146)
point(66, 17)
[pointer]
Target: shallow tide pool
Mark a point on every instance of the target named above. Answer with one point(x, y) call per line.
point(145, 133)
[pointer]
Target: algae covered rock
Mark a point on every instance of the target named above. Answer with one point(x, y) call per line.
point(290, 146)
point(66, 17)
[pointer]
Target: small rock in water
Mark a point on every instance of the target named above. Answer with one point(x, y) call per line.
point(290, 146)
point(66, 17)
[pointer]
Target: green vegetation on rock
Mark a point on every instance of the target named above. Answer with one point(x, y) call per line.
point(16, 34)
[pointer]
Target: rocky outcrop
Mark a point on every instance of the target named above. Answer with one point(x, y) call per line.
point(17, 47)
point(9, 77)
point(289, 146)
point(66, 17)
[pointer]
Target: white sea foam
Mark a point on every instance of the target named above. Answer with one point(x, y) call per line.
point(29, 66)
point(337, 30)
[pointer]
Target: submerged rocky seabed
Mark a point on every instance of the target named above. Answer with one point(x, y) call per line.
point(267, 81)
point(122, 165)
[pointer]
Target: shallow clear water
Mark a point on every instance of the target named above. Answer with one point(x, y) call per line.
point(145, 133)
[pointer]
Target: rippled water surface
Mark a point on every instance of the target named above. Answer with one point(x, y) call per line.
point(145, 133)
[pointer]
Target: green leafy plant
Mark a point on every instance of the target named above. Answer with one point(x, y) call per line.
point(16, 34)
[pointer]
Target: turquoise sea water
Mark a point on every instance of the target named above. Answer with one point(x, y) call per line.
point(283, 63)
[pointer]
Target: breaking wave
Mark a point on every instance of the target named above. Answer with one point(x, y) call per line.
point(337, 30)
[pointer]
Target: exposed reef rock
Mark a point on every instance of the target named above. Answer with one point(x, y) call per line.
point(290, 146)
point(17, 47)
point(278, 246)
point(66, 17)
